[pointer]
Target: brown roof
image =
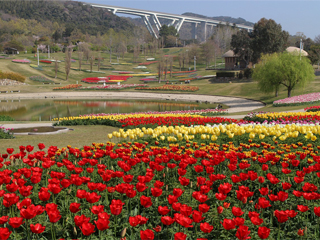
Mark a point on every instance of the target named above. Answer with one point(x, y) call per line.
point(230, 53)
point(296, 50)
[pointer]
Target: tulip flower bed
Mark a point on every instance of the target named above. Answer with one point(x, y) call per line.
point(46, 61)
point(107, 79)
point(68, 87)
point(4, 133)
point(233, 188)
point(180, 88)
point(298, 100)
point(312, 109)
point(147, 63)
point(283, 117)
point(135, 120)
point(113, 87)
point(21, 61)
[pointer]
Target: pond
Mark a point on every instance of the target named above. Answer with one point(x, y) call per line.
point(47, 109)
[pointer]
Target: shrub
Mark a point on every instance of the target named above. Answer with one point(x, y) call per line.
point(40, 79)
point(13, 76)
point(247, 73)
point(226, 74)
point(6, 118)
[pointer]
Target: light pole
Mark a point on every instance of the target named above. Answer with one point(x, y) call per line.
point(38, 55)
point(194, 62)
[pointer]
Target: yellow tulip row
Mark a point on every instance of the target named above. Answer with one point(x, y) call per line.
point(126, 115)
point(286, 114)
point(173, 134)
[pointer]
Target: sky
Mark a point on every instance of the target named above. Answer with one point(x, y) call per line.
point(294, 15)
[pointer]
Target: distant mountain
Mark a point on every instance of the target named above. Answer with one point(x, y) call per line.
point(74, 15)
point(230, 20)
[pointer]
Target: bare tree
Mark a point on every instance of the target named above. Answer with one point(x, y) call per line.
point(208, 51)
point(68, 53)
point(56, 67)
point(99, 61)
point(171, 63)
point(160, 68)
point(85, 48)
point(80, 56)
point(91, 60)
point(317, 39)
point(180, 60)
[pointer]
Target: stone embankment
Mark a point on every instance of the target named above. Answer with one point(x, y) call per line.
point(8, 82)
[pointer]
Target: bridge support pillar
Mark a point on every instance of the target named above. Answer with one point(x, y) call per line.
point(149, 26)
point(194, 30)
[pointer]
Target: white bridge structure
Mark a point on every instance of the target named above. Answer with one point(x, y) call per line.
point(176, 20)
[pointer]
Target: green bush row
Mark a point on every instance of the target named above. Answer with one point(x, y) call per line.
point(6, 118)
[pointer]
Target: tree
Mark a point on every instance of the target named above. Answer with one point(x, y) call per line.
point(285, 69)
point(268, 38)
point(241, 44)
point(56, 67)
point(314, 54)
point(317, 39)
point(68, 61)
point(80, 56)
point(208, 49)
point(169, 35)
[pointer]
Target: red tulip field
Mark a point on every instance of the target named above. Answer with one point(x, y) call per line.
point(140, 190)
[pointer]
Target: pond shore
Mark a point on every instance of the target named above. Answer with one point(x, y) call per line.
point(235, 104)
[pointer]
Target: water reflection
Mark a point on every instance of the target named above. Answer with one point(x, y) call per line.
point(47, 109)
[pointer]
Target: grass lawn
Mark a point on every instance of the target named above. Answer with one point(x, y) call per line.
point(82, 135)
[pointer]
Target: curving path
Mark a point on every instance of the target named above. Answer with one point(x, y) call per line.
point(235, 104)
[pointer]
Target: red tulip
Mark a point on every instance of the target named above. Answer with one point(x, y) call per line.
point(16, 222)
point(183, 220)
point(206, 227)
point(41, 146)
point(281, 216)
point(163, 210)
point(197, 216)
point(156, 192)
point(29, 212)
point(263, 232)
point(166, 220)
point(38, 228)
point(97, 209)
point(146, 235)
point(79, 220)
point(317, 211)
point(180, 236)
point(54, 216)
point(243, 233)
point(302, 208)
point(43, 194)
point(74, 207)
point(116, 206)
point(237, 211)
point(203, 208)
point(4, 219)
point(4, 233)
point(87, 228)
point(256, 220)
point(220, 209)
point(92, 197)
point(145, 201)
point(228, 224)
point(102, 224)
point(134, 221)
